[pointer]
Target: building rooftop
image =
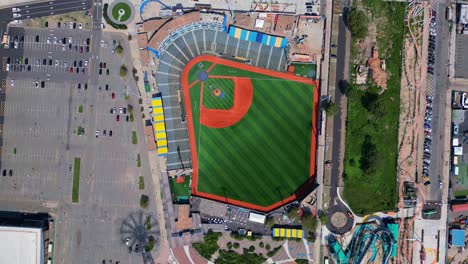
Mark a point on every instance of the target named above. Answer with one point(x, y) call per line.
point(154, 24)
point(184, 221)
point(458, 237)
point(171, 26)
point(21, 245)
point(281, 25)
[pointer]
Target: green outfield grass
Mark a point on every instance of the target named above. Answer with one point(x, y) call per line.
point(222, 102)
point(265, 157)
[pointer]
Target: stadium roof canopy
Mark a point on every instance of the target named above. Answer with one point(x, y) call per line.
point(21, 245)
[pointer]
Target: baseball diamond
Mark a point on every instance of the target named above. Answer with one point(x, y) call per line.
point(253, 140)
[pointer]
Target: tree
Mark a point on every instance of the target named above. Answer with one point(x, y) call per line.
point(369, 156)
point(229, 257)
point(270, 221)
point(150, 245)
point(119, 48)
point(330, 108)
point(358, 23)
point(123, 70)
point(370, 101)
point(293, 213)
point(144, 201)
point(210, 246)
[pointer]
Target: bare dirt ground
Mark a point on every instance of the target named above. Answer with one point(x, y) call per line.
point(363, 55)
point(78, 17)
point(412, 95)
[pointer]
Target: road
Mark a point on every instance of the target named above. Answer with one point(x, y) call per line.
point(335, 204)
point(41, 9)
point(52, 7)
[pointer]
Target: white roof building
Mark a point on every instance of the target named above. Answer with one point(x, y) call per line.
point(257, 218)
point(455, 142)
point(259, 23)
point(464, 14)
point(21, 245)
point(458, 151)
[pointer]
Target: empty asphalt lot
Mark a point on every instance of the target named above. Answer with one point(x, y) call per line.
point(40, 142)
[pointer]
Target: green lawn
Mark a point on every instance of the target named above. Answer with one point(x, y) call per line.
point(224, 101)
point(138, 160)
point(76, 180)
point(305, 69)
point(141, 183)
point(266, 156)
point(372, 122)
point(461, 193)
point(180, 189)
point(134, 138)
point(124, 6)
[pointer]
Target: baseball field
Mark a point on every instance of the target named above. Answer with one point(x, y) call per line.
point(252, 132)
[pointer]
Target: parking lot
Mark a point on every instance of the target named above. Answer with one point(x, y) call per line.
point(51, 116)
point(437, 81)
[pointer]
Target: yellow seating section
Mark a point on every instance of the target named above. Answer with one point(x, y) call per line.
point(287, 232)
point(158, 126)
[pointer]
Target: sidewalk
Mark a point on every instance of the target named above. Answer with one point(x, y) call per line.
point(156, 163)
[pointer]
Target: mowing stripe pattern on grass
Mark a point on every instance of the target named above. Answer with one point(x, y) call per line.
point(266, 156)
point(225, 100)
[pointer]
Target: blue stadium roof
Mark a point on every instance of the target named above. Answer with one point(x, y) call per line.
point(458, 237)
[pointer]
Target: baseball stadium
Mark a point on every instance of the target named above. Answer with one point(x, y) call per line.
point(244, 127)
